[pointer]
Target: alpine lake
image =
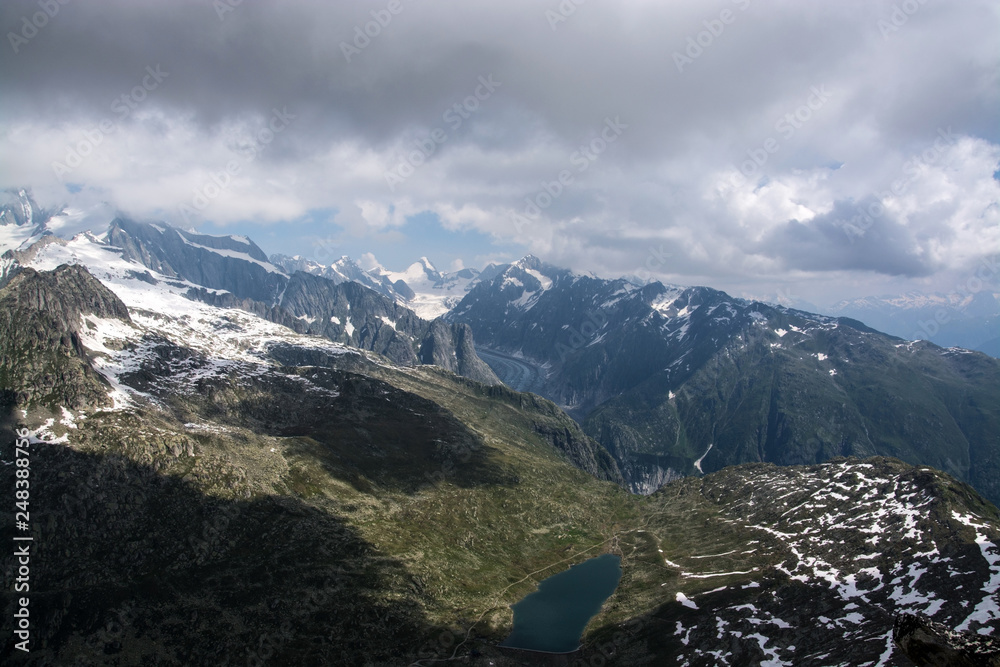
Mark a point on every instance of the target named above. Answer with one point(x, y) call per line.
point(552, 619)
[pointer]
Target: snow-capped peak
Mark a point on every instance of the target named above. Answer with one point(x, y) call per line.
point(528, 262)
point(418, 275)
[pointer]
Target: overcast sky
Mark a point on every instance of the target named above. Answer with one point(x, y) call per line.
point(781, 149)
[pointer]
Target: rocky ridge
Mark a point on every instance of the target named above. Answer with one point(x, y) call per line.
point(687, 380)
point(245, 492)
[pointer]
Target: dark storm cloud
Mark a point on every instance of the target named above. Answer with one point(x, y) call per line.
point(602, 60)
point(858, 236)
point(260, 56)
point(701, 87)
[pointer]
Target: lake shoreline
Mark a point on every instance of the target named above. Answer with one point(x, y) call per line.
point(557, 613)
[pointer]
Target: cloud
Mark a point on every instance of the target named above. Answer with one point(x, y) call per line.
point(410, 93)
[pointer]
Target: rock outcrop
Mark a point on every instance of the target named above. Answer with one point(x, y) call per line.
point(41, 354)
point(931, 644)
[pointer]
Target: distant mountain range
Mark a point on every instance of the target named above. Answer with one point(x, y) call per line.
point(345, 270)
point(233, 272)
point(22, 221)
point(421, 287)
point(970, 319)
point(670, 380)
point(678, 381)
point(234, 460)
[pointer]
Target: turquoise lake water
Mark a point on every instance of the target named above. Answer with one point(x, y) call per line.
point(553, 617)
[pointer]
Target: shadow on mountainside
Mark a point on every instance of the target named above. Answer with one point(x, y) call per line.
point(130, 567)
point(360, 429)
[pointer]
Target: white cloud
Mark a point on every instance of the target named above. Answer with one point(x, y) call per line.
point(666, 181)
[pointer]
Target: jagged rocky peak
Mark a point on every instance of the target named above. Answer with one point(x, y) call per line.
point(22, 221)
point(428, 265)
point(232, 263)
point(18, 207)
point(42, 357)
point(529, 261)
point(532, 265)
point(518, 285)
point(167, 235)
point(64, 294)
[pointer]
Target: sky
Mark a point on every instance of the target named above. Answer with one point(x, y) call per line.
point(794, 150)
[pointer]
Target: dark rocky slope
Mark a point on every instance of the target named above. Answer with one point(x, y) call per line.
point(679, 381)
point(930, 644)
point(41, 356)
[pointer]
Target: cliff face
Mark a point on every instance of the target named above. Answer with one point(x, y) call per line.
point(330, 306)
point(41, 356)
point(64, 295)
point(451, 347)
point(233, 264)
point(355, 315)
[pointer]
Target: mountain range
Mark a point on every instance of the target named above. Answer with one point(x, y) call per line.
point(421, 287)
point(235, 460)
point(969, 317)
point(670, 380)
point(676, 381)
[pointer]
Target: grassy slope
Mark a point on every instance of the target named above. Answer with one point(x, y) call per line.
point(445, 526)
point(411, 509)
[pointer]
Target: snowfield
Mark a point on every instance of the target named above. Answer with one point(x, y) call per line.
point(228, 341)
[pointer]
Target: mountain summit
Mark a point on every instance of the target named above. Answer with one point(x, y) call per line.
point(687, 380)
